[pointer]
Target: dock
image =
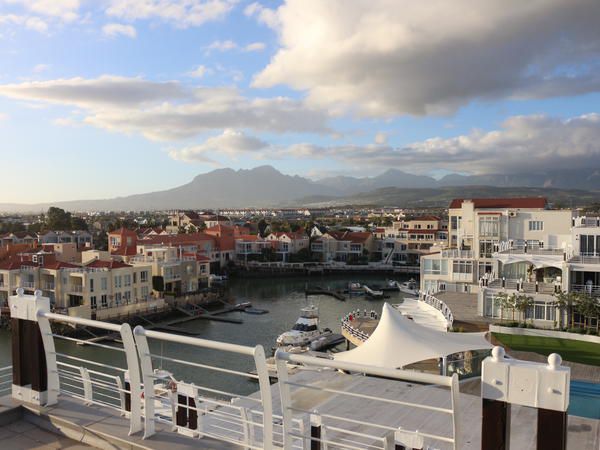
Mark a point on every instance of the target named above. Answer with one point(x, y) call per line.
point(322, 291)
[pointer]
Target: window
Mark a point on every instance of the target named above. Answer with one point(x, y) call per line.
point(114, 241)
point(93, 302)
point(134, 277)
point(485, 267)
point(127, 280)
point(103, 283)
point(536, 225)
point(103, 301)
point(435, 266)
point(127, 296)
point(144, 276)
point(118, 281)
point(91, 285)
point(489, 226)
point(118, 296)
point(455, 222)
point(144, 292)
point(460, 266)
point(486, 248)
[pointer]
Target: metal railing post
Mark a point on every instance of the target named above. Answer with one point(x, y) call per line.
point(135, 382)
point(147, 377)
point(265, 396)
point(286, 401)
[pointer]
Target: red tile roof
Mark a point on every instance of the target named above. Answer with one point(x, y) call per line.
point(177, 239)
point(125, 251)
point(97, 264)
point(523, 202)
point(124, 232)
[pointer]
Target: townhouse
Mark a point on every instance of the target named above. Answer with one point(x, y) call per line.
point(407, 240)
point(344, 246)
point(82, 238)
point(286, 243)
point(98, 288)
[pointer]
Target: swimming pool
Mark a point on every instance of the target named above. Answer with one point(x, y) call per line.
point(585, 399)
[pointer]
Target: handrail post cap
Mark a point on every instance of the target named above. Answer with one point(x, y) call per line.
point(498, 353)
point(554, 361)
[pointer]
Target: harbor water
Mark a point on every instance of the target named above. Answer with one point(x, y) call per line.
point(282, 297)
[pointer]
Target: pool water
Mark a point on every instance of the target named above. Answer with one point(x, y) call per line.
point(585, 399)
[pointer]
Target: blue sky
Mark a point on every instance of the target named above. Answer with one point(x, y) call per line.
point(104, 98)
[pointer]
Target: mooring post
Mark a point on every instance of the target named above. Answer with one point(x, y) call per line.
point(30, 373)
point(505, 382)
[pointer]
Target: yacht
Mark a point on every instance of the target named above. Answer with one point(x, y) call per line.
point(409, 287)
point(305, 330)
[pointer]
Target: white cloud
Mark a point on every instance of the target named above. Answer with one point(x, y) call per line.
point(65, 10)
point(264, 15)
point(255, 47)
point(3, 116)
point(231, 143)
point(36, 24)
point(39, 68)
point(393, 57)
point(65, 122)
point(381, 138)
point(180, 13)
point(524, 143)
point(222, 46)
point(116, 29)
point(198, 72)
point(169, 110)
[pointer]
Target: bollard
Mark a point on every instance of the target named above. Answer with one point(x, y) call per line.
point(315, 431)
point(541, 386)
point(30, 373)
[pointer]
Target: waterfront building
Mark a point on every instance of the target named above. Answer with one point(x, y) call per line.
point(286, 243)
point(407, 240)
point(183, 221)
point(17, 237)
point(344, 246)
point(122, 239)
point(95, 289)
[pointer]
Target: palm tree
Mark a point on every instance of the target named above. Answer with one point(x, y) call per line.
point(501, 301)
point(588, 307)
point(522, 303)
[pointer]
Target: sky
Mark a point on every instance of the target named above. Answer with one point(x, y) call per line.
point(103, 98)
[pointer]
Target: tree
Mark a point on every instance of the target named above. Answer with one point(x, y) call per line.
point(58, 219)
point(564, 302)
point(588, 307)
point(501, 301)
point(262, 227)
point(522, 303)
point(77, 223)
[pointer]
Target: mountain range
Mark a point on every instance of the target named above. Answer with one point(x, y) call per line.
point(264, 186)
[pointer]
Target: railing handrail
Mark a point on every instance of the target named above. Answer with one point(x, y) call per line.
point(397, 374)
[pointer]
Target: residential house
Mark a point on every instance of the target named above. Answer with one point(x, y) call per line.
point(287, 243)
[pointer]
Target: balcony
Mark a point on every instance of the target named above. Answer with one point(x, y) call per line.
point(48, 286)
point(591, 289)
point(76, 288)
point(583, 259)
point(28, 284)
point(456, 254)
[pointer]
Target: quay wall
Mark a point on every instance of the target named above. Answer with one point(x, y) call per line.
point(544, 333)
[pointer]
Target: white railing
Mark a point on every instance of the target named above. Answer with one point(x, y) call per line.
point(229, 421)
point(27, 284)
point(82, 379)
point(75, 288)
point(591, 289)
point(439, 305)
point(5, 380)
point(585, 259)
point(455, 253)
point(341, 427)
point(510, 247)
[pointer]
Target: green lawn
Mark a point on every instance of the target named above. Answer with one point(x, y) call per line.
point(569, 350)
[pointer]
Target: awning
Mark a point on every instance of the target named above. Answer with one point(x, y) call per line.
point(398, 341)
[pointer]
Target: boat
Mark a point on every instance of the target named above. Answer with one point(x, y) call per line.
point(325, 342)
point(305, 330)
point(410, 287)
point(256, 311)
point(371, 293)
point(355, 288)
point(217, 278)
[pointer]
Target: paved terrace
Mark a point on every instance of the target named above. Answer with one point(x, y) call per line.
point(102, 428)
point(464, 310)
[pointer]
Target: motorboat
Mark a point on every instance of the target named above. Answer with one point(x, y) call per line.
point(305, 330)
point(355, 288)
point(410, 287)
point(217, 278)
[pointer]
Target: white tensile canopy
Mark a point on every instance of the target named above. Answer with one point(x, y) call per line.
point(398, 341)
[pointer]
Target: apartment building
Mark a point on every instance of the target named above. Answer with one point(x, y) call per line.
point(184, 221)
point(121, 240)
point(250, 247)
point(287, 243)
point(97, 289)
point(346, 246)
point(83, 239)
point(481, 228)
point(407, 240)
point(17, 237)
point(177, 270)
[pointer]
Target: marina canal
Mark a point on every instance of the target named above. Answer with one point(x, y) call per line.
point(282, 297)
